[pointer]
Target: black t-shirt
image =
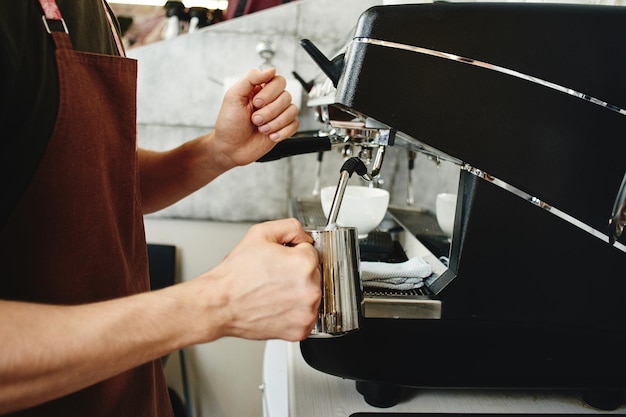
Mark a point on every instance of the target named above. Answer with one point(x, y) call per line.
point(29, 83)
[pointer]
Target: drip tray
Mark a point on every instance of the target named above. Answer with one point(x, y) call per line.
point(400, 305)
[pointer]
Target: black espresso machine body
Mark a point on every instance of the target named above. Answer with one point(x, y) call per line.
point(529, 99)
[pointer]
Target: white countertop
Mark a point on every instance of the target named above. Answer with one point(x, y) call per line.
point(292, 388)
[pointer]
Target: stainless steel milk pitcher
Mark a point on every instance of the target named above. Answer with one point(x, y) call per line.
point(342, 292)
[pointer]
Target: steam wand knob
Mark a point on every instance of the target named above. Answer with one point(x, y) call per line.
point(352, 165)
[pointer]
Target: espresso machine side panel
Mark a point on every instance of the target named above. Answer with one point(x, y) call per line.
point(562, 149)
point(521, 263)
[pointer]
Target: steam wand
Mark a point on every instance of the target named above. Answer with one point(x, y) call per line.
point(351, 165)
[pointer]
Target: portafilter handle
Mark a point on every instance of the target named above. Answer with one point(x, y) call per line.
point(297, 146)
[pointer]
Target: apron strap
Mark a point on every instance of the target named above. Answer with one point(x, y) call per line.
point(50, 9)
point(53, 21)
point(118, 41)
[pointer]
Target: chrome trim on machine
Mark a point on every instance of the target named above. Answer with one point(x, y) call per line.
point(619, 214)
point(542, 204)
point(481, 64)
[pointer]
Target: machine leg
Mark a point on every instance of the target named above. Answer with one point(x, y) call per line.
point(381, 395)
point(604, 399)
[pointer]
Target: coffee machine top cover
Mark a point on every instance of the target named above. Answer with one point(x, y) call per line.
point(531, 94)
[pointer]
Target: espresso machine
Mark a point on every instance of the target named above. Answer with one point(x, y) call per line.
point(528, 100)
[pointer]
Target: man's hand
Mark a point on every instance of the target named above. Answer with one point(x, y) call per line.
point(270, 283)
point(256, 114)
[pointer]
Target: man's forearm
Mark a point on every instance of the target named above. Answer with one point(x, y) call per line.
point(167, 177)
point(50, 351)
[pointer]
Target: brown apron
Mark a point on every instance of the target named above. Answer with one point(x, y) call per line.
point(77, 233)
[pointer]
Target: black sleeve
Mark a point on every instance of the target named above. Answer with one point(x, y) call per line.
point(28, 102)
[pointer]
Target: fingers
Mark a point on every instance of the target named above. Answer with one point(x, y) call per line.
point(271, 109)
point(263, 92)
point(275, 116)
point(278, 127)
point(273, 87)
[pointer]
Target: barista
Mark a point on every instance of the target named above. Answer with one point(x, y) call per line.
point(81, 334)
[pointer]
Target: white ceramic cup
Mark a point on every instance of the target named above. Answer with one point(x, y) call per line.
point(445, 209)
point(361, 207)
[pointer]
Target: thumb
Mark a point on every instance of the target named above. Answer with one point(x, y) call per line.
point(253, 79)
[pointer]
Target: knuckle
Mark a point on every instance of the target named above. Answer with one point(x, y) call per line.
point(295, 223)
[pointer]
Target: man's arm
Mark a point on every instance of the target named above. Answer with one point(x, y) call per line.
point(267, 287)
point(256, 114)
point(50, 351)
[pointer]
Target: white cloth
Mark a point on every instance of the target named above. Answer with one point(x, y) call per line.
point(401, 276)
